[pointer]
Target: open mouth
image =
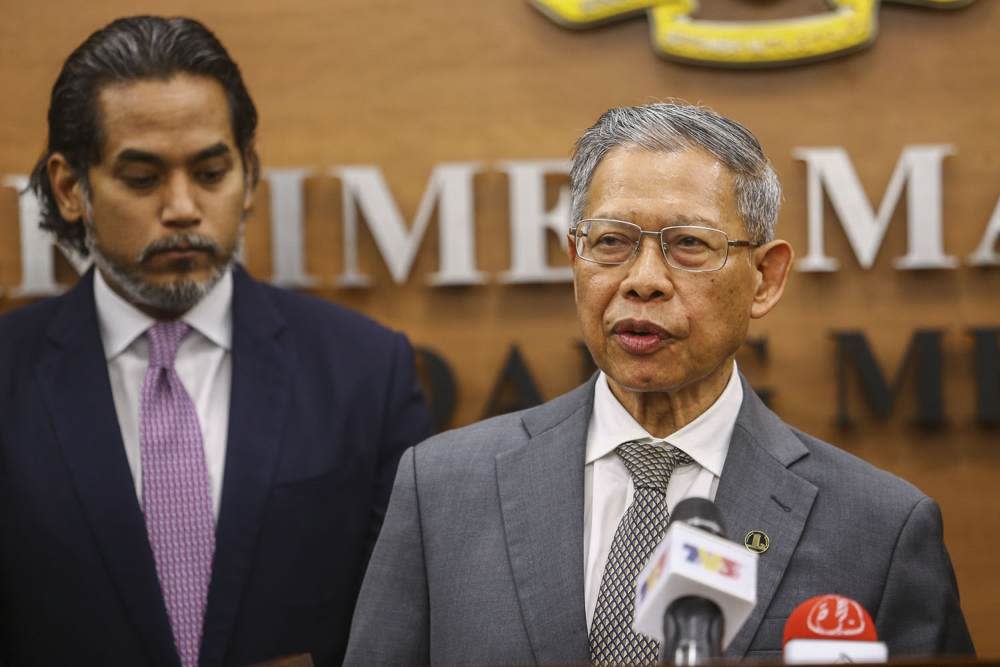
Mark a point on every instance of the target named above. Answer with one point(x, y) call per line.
point(640, 336)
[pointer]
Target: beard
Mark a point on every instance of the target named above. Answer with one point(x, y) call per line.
point(176, 297)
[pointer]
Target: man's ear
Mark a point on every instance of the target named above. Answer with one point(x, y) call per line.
point(772, 263)
point(251, 167)
point(571, 253)
point(67, 188)
point(248, 192)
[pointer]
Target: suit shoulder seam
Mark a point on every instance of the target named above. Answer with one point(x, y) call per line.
point(553, 425)
point(895, 547)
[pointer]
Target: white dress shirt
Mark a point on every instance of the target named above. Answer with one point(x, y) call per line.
point(608, 487)
point(203, 364)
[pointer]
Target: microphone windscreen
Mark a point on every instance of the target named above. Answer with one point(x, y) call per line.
point(830, 617)
point(701, 513)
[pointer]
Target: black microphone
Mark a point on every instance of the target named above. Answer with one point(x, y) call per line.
point(692, 624)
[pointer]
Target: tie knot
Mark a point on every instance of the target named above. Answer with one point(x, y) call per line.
point(652, 463)
point(164, 339)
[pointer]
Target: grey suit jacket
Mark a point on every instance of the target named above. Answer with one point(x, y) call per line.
point(480, 559)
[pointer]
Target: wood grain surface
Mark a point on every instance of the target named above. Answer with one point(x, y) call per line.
point(405, 86)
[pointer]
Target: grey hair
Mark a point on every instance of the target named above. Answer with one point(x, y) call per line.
point(674, 126)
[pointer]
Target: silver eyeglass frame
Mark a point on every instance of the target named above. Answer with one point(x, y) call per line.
point(664, 245)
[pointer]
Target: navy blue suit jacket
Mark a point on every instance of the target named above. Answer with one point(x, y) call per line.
point(323, 403)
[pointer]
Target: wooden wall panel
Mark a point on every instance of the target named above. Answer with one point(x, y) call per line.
point(405, 86)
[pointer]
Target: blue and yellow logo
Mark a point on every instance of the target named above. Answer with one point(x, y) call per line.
point(711, 561)
point(676, 34)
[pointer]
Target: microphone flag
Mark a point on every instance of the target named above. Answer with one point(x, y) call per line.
point(692, 562)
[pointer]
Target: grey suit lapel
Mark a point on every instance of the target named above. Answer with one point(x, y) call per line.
point(541, 501)
point(757, 491)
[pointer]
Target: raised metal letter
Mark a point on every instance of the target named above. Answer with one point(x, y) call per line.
point(288, 227)
point(530, 222)
point(450, 186)
point(38, 269)
point(919, 168)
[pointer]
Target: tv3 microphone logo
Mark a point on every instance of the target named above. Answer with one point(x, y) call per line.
point(711, 561)
point(678, 35)
point(836, 616)
point(692, 554)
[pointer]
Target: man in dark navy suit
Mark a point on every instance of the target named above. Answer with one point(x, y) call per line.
point(193, 465)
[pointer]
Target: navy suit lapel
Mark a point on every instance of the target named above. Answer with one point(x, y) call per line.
point(74, 383)
point(757, 491)
point(541, 500)
point(262, 361)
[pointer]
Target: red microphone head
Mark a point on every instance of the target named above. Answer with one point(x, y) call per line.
point(830, 617)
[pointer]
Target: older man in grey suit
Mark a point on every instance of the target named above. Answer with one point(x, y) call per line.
point(517, 540)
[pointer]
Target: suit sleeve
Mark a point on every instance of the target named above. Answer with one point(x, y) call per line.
point(391, 621)
point(919, 614)
point(407, 422)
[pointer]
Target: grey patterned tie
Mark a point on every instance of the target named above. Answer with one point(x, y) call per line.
point(612, 640)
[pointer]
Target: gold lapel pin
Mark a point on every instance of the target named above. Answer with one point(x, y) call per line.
point(757, 541)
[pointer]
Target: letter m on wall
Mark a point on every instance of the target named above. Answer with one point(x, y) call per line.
point(923, 355)
point(919, 169)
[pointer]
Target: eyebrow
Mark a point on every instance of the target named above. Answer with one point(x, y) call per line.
point(694, 220)
point(215, 150)
point(136, 155)
point(679, 219)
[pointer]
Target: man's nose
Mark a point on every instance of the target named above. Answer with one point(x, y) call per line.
point(648, 276)
point(180, 204)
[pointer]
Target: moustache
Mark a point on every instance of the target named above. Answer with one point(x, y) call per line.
point(180, 242)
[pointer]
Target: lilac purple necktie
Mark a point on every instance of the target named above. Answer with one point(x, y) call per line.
point(176, 497)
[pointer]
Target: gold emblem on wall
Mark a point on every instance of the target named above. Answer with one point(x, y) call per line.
point(676, 34)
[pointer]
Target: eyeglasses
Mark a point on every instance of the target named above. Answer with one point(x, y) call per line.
point(685, 247)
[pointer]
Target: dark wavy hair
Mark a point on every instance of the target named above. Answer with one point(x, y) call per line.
point(131, 48)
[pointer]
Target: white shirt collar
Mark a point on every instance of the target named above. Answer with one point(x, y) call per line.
point(212, 317)
point(706, 439)
point(121, 322)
